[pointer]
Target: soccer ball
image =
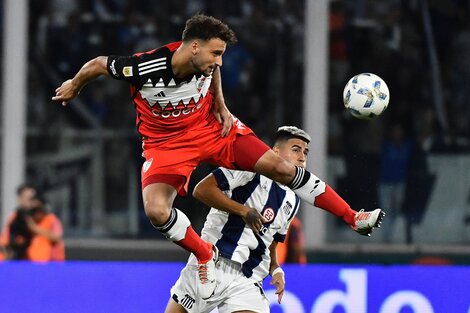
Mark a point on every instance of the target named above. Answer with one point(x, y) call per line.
point(366, 96)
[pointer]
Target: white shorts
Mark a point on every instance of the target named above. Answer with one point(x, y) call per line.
point(234, 291)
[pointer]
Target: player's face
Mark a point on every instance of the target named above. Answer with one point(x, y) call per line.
point(207, 55)
point(294, 150)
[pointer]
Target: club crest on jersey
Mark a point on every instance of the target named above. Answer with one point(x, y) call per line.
point(147, 165)
point(268, 215)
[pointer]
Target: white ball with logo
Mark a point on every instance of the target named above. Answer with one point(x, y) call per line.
point(366, 96)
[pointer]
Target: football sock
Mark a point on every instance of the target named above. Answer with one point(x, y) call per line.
point(316, 192)
point(178, 229)
point(193, 243)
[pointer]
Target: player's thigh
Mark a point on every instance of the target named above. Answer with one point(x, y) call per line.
point(273, 166)
point(170, 166)
point(245, 297)
point(248, 150)
point(173, 307)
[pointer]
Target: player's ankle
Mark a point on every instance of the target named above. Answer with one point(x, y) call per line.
point(206, 255)
point(350, 217)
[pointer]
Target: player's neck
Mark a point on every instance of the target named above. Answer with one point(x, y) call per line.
point(180, 65)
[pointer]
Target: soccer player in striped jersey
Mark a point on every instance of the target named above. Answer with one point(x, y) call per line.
point(247, 247)
point(183, 120)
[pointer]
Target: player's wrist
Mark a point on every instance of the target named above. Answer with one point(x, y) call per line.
point(276, 271)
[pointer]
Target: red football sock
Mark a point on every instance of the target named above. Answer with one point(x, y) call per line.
point(333, 203)
point(193, 243)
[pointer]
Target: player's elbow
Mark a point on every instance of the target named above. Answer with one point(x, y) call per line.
point(205, 188)
point(197, 192)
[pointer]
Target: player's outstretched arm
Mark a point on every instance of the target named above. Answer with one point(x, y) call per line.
point(277, 274)
point(222, 114)
point(208, 192)
point(89, 71)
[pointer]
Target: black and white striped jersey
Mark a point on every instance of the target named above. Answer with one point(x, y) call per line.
point(234, 239)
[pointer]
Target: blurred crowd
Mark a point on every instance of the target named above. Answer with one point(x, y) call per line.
point(263, 74)
point(390, 38)
point(265, 69)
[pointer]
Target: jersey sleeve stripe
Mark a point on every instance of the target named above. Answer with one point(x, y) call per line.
point(152, 61)
point(153, 70)
point(222, 181)
point(143, 68)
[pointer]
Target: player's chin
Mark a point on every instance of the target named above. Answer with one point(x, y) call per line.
point(208, 72)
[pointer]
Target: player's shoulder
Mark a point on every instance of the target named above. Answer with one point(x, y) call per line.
point(160, 52)
point(236, 175)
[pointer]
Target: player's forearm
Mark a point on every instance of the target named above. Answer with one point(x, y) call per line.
point(215, 198)
point(209, 193)
point(273, 254)
point(89, 71)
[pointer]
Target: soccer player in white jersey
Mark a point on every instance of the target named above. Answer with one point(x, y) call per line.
point(250, 214)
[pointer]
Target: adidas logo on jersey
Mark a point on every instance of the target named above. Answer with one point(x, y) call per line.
point(161, 94)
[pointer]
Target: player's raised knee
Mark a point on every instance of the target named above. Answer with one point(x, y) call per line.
point(157, 210)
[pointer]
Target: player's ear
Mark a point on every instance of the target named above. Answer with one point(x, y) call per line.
point(194, 47)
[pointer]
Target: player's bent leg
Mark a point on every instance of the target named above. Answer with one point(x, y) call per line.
point(273, 166)
point(175, 226)
point(306, 185)
point(171, 222)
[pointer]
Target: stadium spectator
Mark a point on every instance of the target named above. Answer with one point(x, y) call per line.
point(32, 233)
point(395, 158)
point(247, 247)
point(292, 250)
point(183, 120)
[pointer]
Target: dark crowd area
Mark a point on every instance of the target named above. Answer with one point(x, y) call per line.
point(420, 48)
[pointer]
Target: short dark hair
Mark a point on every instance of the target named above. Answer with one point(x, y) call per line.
point(285, 133)
point(205, 27)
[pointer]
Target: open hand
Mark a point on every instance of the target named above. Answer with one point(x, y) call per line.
point(279, 281)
